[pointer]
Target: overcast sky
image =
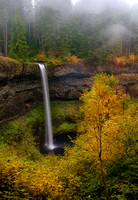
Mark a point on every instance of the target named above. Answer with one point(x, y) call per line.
point(130, 2)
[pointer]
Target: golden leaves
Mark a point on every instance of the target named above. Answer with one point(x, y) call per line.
point(102, 108)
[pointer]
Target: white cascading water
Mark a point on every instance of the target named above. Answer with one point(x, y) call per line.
point(48, 122)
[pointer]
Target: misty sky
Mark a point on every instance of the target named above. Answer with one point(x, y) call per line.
point(74, 1)
point(130, 2)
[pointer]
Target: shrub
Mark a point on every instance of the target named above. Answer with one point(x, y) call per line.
point(25, 179)
point(132, 58)
point(26, 174)
point(120, 61)
point(41, 57)
point(54, 61)
point(73, 59)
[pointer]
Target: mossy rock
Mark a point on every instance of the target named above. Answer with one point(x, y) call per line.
point(66, 128)
point(65, 110)
point(64, 116)
point(31, 122)
point(31, 68)
point(9, 67)
point(64, 120)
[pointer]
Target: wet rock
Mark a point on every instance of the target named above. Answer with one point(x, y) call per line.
point(69, 88)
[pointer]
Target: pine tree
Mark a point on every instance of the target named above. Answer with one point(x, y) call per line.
point(18, 45)
point(5, 12)
point(48, 30)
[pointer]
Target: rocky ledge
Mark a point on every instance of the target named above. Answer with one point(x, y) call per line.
point(68, 81)
point(20, 85)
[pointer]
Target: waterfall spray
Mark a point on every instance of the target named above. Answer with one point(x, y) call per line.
point(48, 122)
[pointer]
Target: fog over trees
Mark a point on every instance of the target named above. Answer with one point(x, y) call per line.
point(91, 30)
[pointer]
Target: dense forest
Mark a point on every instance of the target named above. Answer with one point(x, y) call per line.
point(56, 32)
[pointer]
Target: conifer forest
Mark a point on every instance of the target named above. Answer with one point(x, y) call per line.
point(92, 32)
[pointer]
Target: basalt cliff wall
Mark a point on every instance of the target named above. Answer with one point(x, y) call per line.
point(68, 81)
point(20, 84)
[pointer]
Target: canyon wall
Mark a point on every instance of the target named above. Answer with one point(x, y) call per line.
point(20, 85)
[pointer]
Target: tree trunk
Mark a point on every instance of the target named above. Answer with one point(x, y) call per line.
point(101, 162)
point(5, 38)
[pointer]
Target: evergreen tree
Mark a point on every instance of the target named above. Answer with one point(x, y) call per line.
point(63, 42)
point(18, 45)
point(48, 30)
point(77, 40)
point(90, 30)
point(5, 12)
point(134, 28)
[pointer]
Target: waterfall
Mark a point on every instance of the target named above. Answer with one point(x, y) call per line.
point(48, 122)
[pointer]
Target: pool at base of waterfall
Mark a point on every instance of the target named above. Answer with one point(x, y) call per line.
point(60, 141)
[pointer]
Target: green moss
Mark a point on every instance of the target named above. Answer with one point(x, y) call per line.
point(14, 130)
point(65, 127)
point(1, 60)
point(31, 67)
point(64, 119)
point(33, 115)
point(64, 115)
point(12, 64)
point(65, 110)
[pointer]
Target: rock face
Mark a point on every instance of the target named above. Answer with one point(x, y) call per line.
point(68, 82)
point(16, 93)
point(20, 85)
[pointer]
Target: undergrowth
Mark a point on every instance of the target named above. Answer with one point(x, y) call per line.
point(27, 174)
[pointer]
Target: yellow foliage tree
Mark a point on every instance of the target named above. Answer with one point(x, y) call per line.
point(101, 105)
point(120, 61)
point(132, 58)
point(73, 60)
point(41, 57)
